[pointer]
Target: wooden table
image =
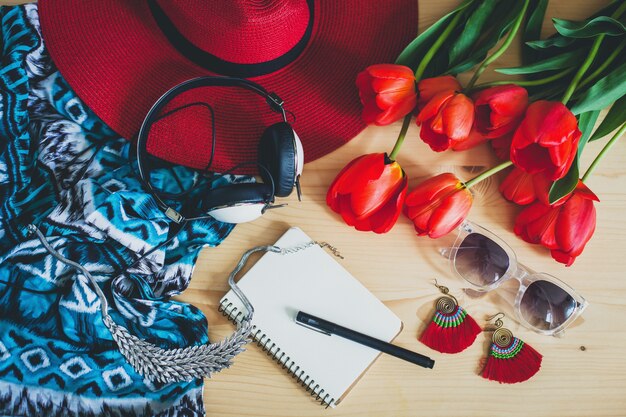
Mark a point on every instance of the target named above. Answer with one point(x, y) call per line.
point(583, 373)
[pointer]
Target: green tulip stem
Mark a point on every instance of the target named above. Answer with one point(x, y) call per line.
point(435, 46)
point(401, 136)
point(418, 74)
point(604, 65)
point(604, 150)
point(487, 173)
point(502, 48)
point(589, 60)
point(582, 69)
point(527, 83)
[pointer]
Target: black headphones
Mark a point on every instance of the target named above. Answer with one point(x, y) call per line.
point(281, 158)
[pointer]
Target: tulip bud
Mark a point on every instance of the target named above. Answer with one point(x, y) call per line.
point(438, 205)
point(369, 193)
point(546, 140)
point(387, 92)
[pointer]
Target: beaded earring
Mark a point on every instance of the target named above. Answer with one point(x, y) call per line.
point(509, 360)
point(451, 330)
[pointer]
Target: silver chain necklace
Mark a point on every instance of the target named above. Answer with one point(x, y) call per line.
point(182, 364)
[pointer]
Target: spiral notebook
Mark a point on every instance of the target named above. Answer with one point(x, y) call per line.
point(312, 281)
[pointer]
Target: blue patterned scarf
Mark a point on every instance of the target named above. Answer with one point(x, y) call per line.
point(63, 170)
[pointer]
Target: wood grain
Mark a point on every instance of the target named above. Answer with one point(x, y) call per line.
point(398, 268)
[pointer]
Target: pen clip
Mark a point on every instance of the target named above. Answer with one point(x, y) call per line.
point(312, 328)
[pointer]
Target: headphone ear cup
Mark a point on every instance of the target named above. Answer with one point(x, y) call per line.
point(278, 153)
point(237, 203)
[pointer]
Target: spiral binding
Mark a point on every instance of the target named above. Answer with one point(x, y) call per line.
point(273, 351)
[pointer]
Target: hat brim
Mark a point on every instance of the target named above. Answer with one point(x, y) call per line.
point(115, 57)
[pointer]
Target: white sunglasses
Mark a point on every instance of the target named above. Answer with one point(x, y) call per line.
point(543, 303)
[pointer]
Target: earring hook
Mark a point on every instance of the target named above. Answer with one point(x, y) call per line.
point(498, 316)
point(445, 290)
point(441, 288)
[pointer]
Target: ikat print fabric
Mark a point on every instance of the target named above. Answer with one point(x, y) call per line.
point(64, 171)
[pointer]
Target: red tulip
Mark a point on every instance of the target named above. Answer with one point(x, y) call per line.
point(430, 87)
point(474, 139)
point(387, 92)
point(563, 228)
point(500, 109)
point(523, 188)
point(502, 146)
point(446, 119)
point(546, 140)
point(438, 205)
point(369, 193)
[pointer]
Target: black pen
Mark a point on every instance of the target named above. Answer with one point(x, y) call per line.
point(324, 326)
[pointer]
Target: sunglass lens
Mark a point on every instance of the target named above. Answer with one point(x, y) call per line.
point(546, 306)
point(480, 260)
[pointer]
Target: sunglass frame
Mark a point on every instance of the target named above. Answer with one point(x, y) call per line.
point(521, 273)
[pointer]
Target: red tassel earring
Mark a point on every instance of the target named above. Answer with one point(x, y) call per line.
point(451, 330)
point(510, 360)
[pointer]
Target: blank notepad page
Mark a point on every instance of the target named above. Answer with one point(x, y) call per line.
point(311, 280)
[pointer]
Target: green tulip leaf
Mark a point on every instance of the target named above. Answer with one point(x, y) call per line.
point(532, 31)
point(586, 123)
point(602, 25)
point(614, 119)
point(561, 61)
point(604, 92)
point(414, 51)
point(503, 16)
point(557, 41)
point(567, 184)
point(474, 28)
point(562, 187)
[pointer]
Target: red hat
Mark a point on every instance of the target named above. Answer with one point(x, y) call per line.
point(120, 56)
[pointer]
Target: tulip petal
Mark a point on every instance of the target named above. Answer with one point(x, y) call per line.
point(537, 224)
point(333, 191)
point(519, 187)
point(532, 125)
point(562, 257)
point(560, 153)
point(376, 192)
point(474, 139)
point(387, 92)
point(370, 112)
point(431, 109)
point(575, 225)
point(396, 112)
point(345, 210)
point(502, 146)
point(532, 158)
point(498, 109)
point(450, 213)
point(542, 185)
point(364, 84)
point(583, 190)
point(437, 142)
point(390, 71)
point(536, 221)
point(429, 189)
point(458, 117)
point(556, 125)
point(390, 87)
point(384, 219)
point(365, 169)
point(430, 87)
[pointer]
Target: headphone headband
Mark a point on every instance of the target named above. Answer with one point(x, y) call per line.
point(272, 99)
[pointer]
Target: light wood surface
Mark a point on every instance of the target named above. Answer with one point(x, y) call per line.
point(398, 268)
point(583, 373)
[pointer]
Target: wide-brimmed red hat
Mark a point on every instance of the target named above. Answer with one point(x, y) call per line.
point(120, 56)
